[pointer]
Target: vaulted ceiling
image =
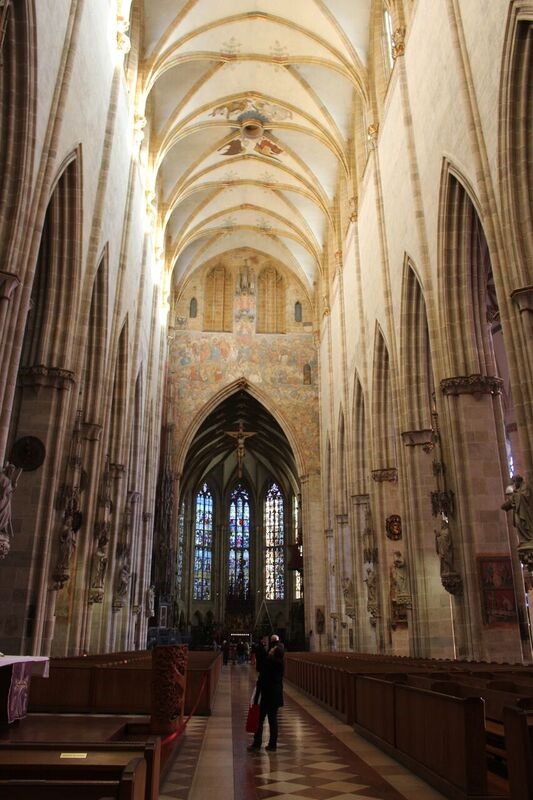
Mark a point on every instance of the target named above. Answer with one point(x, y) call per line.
point(250, 107)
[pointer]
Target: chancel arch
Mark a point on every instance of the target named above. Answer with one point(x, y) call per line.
point(236, 516)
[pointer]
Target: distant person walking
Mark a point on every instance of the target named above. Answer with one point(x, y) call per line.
point(270, 690)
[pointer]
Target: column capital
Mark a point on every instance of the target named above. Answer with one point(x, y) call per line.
point(423, 438)
point(8, 283)
point(398, 42)
point(389, 474)
point(472, 384)
point(523, 298)
point(39, 376)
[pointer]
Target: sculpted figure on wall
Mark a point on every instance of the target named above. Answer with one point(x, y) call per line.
point(372, 594)
point(518, 500)
point(8, 483)
point(349, 597)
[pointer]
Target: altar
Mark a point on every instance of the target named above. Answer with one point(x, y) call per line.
point(15, 677)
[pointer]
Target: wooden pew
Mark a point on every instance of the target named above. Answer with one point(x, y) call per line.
point(58, 755)
point(127, 783)
point(518, 724)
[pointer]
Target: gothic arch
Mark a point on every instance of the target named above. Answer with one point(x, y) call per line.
point(96, 342)
point(360, 444)
point(516, 121)
point(119, 402)
point(261, 397)
point(384, 444)
point(416, 359)
point(17, 88)
point(342, 467)
point(465, 269)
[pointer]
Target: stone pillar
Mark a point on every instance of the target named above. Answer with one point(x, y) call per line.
point(431, 626)
point(474, 448)
point(314, 555)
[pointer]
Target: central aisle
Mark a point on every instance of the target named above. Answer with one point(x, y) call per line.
point(318, 757)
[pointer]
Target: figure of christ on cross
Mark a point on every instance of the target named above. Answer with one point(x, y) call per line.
point(240, 435)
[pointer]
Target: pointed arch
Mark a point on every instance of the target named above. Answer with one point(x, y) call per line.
point(17, 119)
point(383, 412)
point(342, 467)
point(360, 449)
point(516, 123)
point(56, 281)
point(96, 342)
point(119, 399)
point(416, 351)
point(465, 273)
point(265, 400)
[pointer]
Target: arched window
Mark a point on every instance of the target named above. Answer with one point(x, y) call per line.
point(203, 544)
point(181, 549)
point(387, 24)
point(239, 544)
point(297, 311)
point(274, 544)
point(193, 308)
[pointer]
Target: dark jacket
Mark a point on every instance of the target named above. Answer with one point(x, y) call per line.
point(270, 681)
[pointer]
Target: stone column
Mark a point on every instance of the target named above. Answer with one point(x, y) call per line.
point(473, 447)
point(314, 554)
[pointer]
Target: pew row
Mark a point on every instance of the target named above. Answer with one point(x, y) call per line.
point(108, 685)
point(378, 694)
point(61, 760)
point(124, 783)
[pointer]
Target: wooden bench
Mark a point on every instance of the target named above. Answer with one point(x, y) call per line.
point(518, 725)
point(124, 783)
point(59, 756)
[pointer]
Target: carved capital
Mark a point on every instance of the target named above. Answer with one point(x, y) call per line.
point(96, 596)
point(525, 554)
point(423, 438)
point(123, 40)
point(372, 133)
point(91, 431)
point(117, 470)
point(8, 283)
point(388, 474)
point(147, 516)
point(40, 376)
point(477, 385)
point(341, 519)
point(523, 298)
point(398, 42)
point(360, 499)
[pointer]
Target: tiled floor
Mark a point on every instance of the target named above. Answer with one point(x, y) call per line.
point(318, 757)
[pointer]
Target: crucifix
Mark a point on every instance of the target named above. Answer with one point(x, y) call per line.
point(241, 437)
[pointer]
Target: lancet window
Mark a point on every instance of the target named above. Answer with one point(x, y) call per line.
point(203, 544)
point(239, 544)
point(274, 544)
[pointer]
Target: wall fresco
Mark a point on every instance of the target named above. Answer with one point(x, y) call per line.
point(202, 364)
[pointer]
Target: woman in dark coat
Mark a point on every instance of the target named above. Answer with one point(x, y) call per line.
point(270, 689)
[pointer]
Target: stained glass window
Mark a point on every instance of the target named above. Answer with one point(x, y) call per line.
point(239, 544)
point(274, 544)
point(181, 548)
point(203, 544)
point(298, 591)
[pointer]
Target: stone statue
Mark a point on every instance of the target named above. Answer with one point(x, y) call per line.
point(444, 547)
point(8, 483)
point(371, 586)
point(519, 502)
point(67, 545)
point(349, 597)
point(150, 601)
point(399, 580)
point(123, 579)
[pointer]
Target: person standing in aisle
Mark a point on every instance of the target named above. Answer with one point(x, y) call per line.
point(270, 688)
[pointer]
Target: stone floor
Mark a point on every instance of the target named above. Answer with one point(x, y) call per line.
point(318, 757)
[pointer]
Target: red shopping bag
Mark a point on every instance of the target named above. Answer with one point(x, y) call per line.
point(252, 720)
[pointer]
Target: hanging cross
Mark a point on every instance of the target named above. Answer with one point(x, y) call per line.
point(241, 437)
